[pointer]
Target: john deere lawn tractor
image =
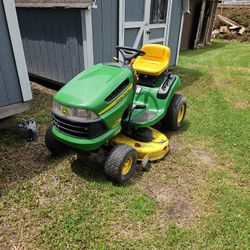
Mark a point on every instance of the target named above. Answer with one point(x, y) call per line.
point(115, 105)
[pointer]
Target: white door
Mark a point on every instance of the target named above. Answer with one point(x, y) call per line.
point(143, 21)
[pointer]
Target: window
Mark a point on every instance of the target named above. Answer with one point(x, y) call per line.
point(158, 11)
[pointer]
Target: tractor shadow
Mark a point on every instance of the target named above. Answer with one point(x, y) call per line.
point(91, 168)
point(184, 127)
point(188, 76)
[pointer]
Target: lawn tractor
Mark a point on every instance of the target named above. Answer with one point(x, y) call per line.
point(114, 105)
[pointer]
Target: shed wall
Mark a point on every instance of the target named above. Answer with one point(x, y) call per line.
point(52, 40)
point(10, 91)
point(105, 30)
point(190, 26)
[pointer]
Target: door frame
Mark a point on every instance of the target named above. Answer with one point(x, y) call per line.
point(143, 26)
point(200, 24)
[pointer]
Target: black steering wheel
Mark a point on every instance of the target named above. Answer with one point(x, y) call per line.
point(129, 53)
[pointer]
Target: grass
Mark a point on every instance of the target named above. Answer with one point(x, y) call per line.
point(197, 198)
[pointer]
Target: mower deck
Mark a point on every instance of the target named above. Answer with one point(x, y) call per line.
point(154, 150)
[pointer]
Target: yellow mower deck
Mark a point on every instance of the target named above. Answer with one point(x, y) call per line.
point(154, 150)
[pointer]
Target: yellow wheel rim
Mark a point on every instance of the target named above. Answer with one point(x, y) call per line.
point(181, 113)
point(127, 165)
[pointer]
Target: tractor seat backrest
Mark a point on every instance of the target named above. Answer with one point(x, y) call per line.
point(155, 61)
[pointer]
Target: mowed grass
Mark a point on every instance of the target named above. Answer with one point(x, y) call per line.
point(198, 197)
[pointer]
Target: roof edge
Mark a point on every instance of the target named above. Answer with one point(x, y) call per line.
point(55, 5)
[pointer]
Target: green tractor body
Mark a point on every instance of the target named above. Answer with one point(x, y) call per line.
point(99, 90)
point(92, 90)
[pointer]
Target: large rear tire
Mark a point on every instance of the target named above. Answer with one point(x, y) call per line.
point(121, 163)
point(54, 146)
point(176, 113)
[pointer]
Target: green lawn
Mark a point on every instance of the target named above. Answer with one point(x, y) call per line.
point(197, 198)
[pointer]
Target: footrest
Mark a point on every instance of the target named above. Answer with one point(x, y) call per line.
point(144, 116)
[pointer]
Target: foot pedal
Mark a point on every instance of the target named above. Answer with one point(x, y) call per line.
point(145, 116)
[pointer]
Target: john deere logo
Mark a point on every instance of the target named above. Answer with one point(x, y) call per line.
point(65, 111)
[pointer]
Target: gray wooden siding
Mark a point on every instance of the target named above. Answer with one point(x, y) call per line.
point(175, 25)
point(129, 36)
point(10, 91)
point(134, 10)
point(156, 33)
point(52, 40)
point(105, 30)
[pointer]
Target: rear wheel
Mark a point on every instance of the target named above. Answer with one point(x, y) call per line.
point(53, 145)
point(121, 163)
point(176, 113)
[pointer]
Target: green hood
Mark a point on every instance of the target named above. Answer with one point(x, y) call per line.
point(90, 88)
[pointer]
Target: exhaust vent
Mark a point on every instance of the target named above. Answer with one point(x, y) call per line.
point(117, 91)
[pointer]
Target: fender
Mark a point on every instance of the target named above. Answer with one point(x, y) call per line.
point(166, 87)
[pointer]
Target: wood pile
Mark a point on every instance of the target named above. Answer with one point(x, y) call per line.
point(230, 27)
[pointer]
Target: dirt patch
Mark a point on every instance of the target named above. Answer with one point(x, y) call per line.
point(174, 204)
point(21, 160)
point(204, 157)
point(42, 88)
point(173, 184)
point(181, 211)
point(174, 143)
point(241, 105)
point(18, 247)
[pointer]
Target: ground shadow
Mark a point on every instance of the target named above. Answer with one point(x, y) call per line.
point(46, 83)
point(207, 48)
point(188, 76)
point(21, 160)
point(90, 167)
point(184, 127)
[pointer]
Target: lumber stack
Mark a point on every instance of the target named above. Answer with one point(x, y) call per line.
point(229, 27)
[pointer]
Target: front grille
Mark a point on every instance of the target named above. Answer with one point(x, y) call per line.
point(80, 129)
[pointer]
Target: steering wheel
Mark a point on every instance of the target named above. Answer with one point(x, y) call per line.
point(129, 53)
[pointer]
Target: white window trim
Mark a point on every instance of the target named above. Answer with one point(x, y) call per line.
point(168, 21)
point(87, 37)
point(17, 47)
point(186, 9)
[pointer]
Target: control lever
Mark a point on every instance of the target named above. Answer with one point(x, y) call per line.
point(135, 106)
point(139, 106)
point(116, 59)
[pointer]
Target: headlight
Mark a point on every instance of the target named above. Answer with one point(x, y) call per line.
point(74, 114)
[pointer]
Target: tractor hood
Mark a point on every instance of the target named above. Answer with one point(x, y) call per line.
point(90, 88)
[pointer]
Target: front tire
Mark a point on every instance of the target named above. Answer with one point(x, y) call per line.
point(176, 113)
point(54, 146)
point(121, 163)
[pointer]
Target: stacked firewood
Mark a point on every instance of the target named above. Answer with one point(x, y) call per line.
point(229, 27)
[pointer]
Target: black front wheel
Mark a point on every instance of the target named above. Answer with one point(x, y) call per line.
point(54, 146)
point(176, 113)
point(121, 163)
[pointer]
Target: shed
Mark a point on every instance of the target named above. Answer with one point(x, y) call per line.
point(197, 28)
point(62, 38)
point(15, 90)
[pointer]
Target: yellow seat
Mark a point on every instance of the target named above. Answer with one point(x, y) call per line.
point(154, 62)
